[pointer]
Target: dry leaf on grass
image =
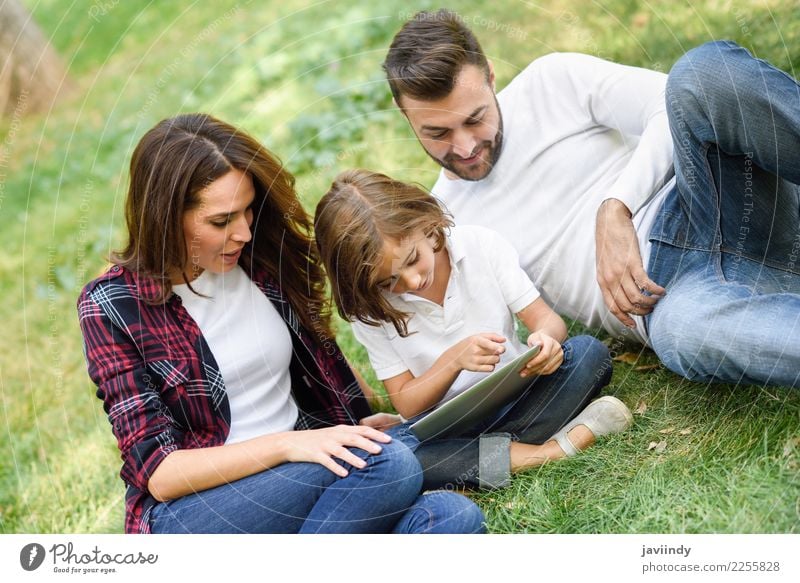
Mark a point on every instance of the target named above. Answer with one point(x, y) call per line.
point(647, 367)
point(790, 445)
point(641, 408)
point(657, 447)
point(685, 431)
point(627, 358)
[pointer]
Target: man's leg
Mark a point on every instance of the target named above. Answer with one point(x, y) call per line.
point(711, 329)
point(728, 247)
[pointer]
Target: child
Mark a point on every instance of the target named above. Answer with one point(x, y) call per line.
point(434, 306)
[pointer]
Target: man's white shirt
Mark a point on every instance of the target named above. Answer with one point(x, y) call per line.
point(577, 130)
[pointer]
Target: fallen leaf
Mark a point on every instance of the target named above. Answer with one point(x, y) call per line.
point(652, 445)
point(646, 367)
point(685, 431)
point(657, 447)
point(793, 443)
point(641, 408)
point(626, 357)
point(667, 431)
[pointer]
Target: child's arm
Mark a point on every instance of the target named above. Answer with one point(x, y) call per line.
point(412, 395)
point(549, 331)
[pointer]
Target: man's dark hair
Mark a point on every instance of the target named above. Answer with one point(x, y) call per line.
point(428, 53)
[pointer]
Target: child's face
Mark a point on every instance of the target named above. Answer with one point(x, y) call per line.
point(407, 265)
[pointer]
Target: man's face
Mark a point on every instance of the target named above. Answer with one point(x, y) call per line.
point(462, 132)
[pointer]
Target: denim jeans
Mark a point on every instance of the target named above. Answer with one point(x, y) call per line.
point(479, 457)
point(726, 243)
point(308, 498)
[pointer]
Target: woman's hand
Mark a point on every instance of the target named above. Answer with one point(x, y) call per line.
point(321, 446)
point(549, 358)
point(381, 421)
point(478, 353)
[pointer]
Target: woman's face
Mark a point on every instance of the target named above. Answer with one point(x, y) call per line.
point(217, 229)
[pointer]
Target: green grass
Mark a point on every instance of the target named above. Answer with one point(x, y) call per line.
point(305, 78)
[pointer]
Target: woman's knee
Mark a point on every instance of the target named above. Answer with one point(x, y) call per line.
point(441, 512)
point(396, 464)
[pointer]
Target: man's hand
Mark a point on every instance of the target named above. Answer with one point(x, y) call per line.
point(620, 272)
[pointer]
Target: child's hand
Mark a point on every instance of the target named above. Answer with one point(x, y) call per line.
point(381, 421)
point(549, 358)
point(479, 353)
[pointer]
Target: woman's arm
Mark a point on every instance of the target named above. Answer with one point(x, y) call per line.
point(187, 471)
point(152, 444)
point(412, 395)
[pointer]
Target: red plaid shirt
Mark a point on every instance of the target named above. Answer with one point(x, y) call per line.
point(162, 389)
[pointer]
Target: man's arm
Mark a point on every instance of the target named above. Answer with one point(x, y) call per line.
point(620, 272)
point(630, 100)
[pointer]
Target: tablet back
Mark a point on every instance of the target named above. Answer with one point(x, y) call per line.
point(481, 400)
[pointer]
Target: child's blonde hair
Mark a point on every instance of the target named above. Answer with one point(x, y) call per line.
point(352, 220)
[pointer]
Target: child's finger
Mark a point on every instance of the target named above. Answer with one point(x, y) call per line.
point(490, 346)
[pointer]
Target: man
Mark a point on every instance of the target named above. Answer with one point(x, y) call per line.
point(694, 175)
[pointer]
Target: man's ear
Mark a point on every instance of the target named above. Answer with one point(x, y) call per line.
point(491, 74)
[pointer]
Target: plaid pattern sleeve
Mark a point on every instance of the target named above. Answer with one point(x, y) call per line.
point(146, 432)
point(161, 387)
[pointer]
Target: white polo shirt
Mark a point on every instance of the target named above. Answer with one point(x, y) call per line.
point(486, 288)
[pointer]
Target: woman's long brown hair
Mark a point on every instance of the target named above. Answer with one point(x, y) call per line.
point(172, 164)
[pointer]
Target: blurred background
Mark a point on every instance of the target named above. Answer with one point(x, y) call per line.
point(82, 81)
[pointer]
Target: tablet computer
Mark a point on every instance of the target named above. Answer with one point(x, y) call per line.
point(481, 400)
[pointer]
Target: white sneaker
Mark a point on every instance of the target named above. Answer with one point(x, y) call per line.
point(602, 416)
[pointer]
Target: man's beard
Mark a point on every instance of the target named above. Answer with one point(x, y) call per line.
point(489, 157)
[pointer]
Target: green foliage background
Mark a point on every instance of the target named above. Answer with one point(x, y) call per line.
point(305, 78)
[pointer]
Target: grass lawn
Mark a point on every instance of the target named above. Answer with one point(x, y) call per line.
point(305, 78)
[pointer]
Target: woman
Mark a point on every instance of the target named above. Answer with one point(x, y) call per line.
point(232, 405)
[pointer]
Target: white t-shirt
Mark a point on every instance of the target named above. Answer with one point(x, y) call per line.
point(252, 347)
point(577, 130)
point(486, 288)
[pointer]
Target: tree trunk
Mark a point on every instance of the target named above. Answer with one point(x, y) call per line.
point(31, 73)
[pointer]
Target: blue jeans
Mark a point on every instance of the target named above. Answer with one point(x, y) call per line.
point(308, 498)
point(479, 457)
point(726, 243)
